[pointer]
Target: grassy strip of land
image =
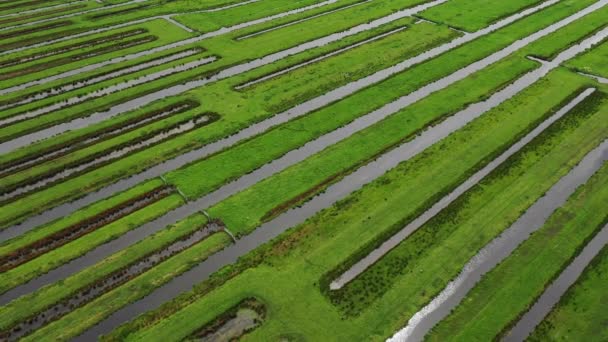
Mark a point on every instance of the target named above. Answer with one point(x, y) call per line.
point(246, 210)
point(593, 62)
point(286, 62)
point(354, 63)
point(78, 247)
point(295, 262)
point(43, 298)
point(510, 289)
point(87, 212)
point(234, 53)
point(100, 148)
point(581, 313)
point(73, 323)
point(472, 15)
point(549, 47)
point(164, 31)
point(241, 114)
point(438, 250)
point(152, 155)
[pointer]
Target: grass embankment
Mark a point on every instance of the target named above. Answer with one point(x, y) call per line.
point(140, 160)
point(164, 32)
point(73, 323)
point(244, 211)
point(82, 245)
point(581, 313)
point(510, 289)
point(83, 214)
point(238, 118)
point(549, 47)
point(348, 66)
point(234, 53)
point(438, 250)
point(476, 14)
point(17, 311)
point(295, 263)
point(211, 21)
point(593, 62)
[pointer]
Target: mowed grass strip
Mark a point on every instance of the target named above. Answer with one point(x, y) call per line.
point(77, 321)
point(581, 313)
point(28, 305)
point(472, 15)
point(549, 47)
point(164, 31)
point(510, 289)
point(433, 255)
point(246, 210)
point(296, 262)
point(593, 62)
point(82, 245)
point(87, 212)
point(241, 113)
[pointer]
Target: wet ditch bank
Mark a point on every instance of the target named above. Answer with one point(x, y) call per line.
point(234, 323)
point(100, 77)
point(91, 138)
point(23, 32)
point(273, 121)
point(274, 28)
point(552, 295)
point(502, 246)
point(71, 47)
point(44, 180)
point(353, 268)
point(108, 282)
point(78, 57)
point(18, 18)
point(332, 194)
point(71, 233)
point(78, 99)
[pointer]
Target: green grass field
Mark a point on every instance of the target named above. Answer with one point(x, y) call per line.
point(204, 170)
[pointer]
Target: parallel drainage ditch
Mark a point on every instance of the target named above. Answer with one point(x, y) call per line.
point(80, 167)
point(184, 211)
point(94, 137)
point(109, 282)
point(332, 194)
point(60, 238)
point(375, 255)
point(502, 246)
point(106, 91)
point(558, 288)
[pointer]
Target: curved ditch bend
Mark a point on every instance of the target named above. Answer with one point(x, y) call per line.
point(98, 78)
point(367, 261)
point(255, 129)
point(331, 195)
point(132, 56)
point(91, 138)
point(558, 288)
point(119, 152)
point(107, 91)
point(60, 238)
point(112, 280)
point(71, 15)
point(295, 22)
point(502, 246)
